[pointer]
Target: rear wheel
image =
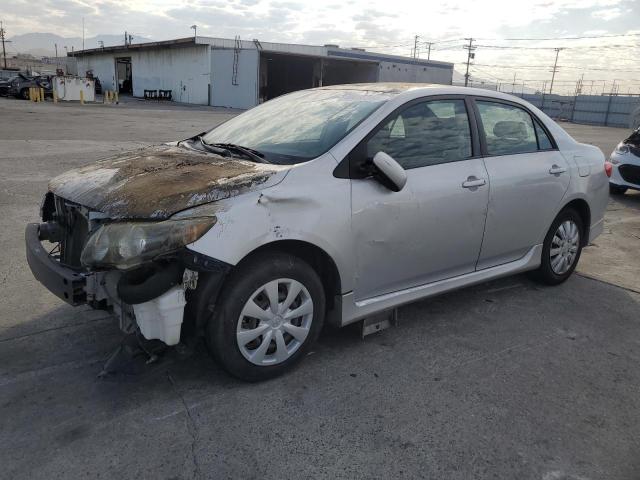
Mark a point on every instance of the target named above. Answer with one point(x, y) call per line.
point(616, 189)
point(24, 94)
point(561, 248)
point(271, 312)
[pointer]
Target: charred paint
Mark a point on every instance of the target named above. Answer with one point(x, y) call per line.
point(158, 181)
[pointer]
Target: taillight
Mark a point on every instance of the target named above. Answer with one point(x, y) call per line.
point(608, 168)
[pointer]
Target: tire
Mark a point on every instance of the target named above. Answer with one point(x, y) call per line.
point(549, 272)
point(248, 287)
point(616, 189)
point(24, 94)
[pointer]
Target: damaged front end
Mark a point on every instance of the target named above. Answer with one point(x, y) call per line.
point(138, 271)
point(117, 232)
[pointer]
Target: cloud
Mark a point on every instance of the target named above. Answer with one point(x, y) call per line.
point(607, 14)
point(379, 25)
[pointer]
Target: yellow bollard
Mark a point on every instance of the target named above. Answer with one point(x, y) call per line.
point(55, 97)
point(42, 94)
point(81, 97)
point(31, 98)
point(109, 96)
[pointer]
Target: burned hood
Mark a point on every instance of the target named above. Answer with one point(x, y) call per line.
point(156, 182)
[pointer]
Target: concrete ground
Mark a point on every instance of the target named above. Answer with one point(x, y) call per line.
point(504, 380)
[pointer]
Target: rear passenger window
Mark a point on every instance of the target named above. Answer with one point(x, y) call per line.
point(544, 142)
point(508, 129)
point(426, 133)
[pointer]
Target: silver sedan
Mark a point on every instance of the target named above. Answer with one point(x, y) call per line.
point(327, 205)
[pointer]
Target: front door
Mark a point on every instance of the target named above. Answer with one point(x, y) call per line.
point(528, 179)
point(432, 229)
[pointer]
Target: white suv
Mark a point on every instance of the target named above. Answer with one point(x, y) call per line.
point(331, 204)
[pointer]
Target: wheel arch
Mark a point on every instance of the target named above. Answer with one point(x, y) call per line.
point(581, 207)
point(318, 259)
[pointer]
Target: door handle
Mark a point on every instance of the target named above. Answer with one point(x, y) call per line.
point(473, 182)
point(556, 169)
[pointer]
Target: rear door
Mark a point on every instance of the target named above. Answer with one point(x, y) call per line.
point(432, 229)
point(528, 178)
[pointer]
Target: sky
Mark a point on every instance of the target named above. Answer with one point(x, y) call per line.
point(387, 27)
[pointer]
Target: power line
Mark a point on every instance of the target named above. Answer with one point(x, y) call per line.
point(572, 67)
point(510, 47)
point(565, 38)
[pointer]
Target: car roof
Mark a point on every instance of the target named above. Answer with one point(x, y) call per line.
point(398, 88)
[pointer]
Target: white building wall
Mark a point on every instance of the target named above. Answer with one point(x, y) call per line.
point(403, 72)
point(185, 71)
point(103, 66)
point(223, 92)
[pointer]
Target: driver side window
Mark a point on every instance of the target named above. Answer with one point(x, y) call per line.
point(426, 133)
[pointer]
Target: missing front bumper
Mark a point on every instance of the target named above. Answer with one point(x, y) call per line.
point(64, 282)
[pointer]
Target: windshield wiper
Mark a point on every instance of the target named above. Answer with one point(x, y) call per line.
point(254, 155)
point(223, 152)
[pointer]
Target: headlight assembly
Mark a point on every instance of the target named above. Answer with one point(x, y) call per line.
point(622, 149)
point(128, 244)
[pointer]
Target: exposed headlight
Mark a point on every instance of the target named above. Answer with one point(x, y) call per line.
point(128, 244)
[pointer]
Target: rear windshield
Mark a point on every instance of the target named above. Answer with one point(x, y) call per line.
point(300, 126)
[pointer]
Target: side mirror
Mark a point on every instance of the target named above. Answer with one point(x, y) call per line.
point(389, 172)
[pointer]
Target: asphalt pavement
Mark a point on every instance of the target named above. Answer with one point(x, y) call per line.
point(506, 380)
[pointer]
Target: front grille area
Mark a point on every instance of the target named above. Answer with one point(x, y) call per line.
point(630, 173)
point(76, 229)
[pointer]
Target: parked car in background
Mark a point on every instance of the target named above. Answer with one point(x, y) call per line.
point(5, 84)
point(325, 205)
point(4, 87)
point(19, 86)
point(626, 165)
point(634, 119)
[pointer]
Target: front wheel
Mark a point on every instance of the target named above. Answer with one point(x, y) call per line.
point(271, 311)
point(561, 249)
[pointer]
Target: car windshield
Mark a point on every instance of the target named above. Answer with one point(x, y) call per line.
point(300, 126)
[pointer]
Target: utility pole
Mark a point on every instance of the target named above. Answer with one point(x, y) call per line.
point(429, 50)
point(4, 52)
point(513, 85)
point(555, 69)
point(82, 33)
point(415, 46)
point(470, 56)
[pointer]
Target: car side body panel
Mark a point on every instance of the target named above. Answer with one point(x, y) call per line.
point(309, 205)
point(514, 221)
point(312, 205)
